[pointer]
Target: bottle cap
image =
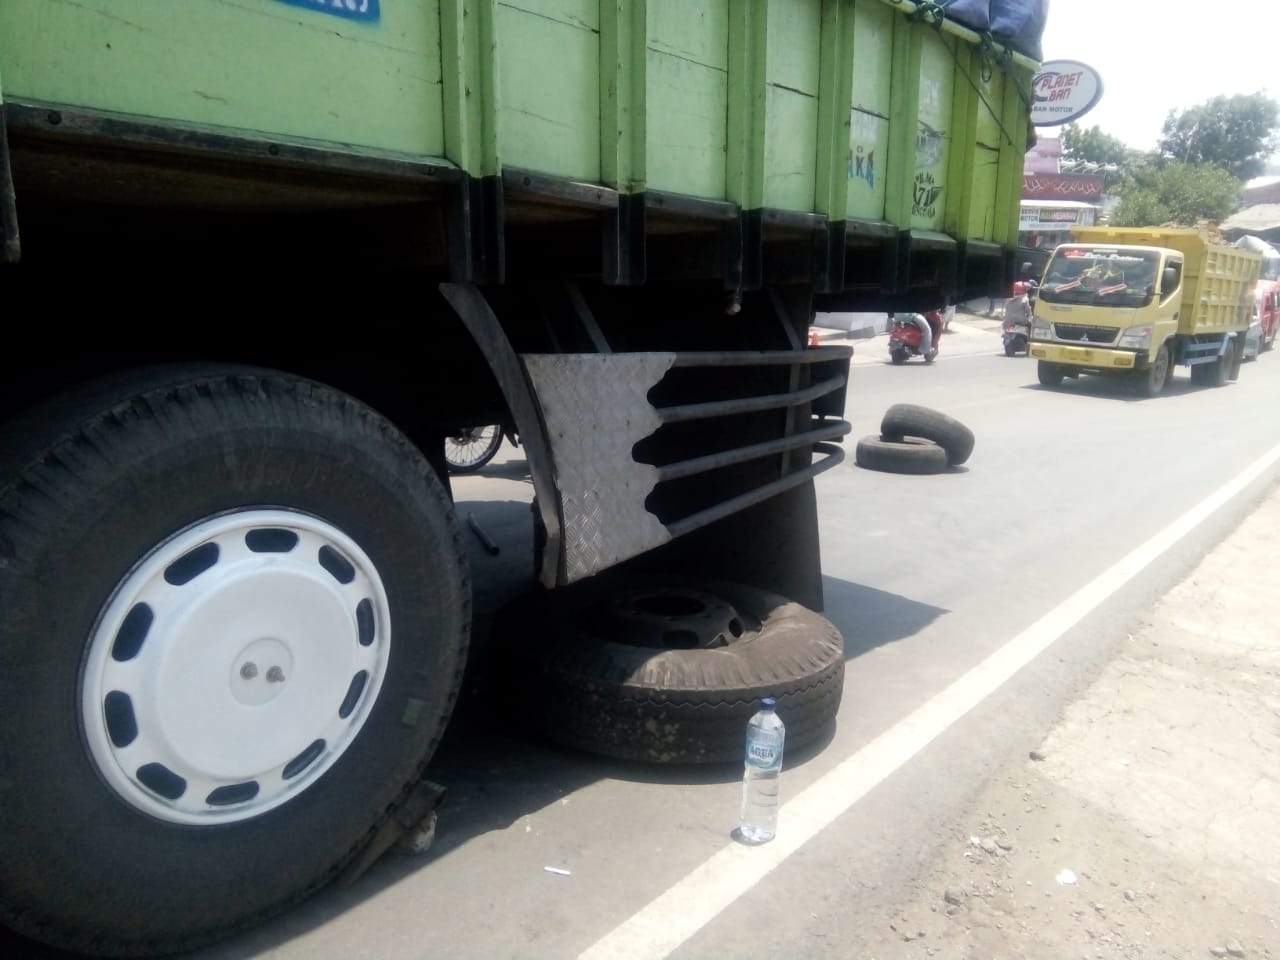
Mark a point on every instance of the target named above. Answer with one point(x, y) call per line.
point(768, 703)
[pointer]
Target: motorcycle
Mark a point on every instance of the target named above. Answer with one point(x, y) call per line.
point(1017, 337)
point(470, 448)
point(1017, 320)
point(906, 339)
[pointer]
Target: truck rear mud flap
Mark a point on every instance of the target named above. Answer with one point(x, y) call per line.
point(648, 447)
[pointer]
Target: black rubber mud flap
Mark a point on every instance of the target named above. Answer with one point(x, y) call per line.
point(667, 671)
point(908, 455)
point(911, 420)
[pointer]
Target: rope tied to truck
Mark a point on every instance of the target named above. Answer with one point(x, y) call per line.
point(992, 55)
point(928, 10)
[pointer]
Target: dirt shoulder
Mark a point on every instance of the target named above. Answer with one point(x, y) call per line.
point(1147, 825)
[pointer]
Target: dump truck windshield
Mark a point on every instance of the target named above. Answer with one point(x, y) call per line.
point(1100, 276)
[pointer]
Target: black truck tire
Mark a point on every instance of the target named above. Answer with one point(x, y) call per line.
point(1151, 381)
point(666, 672)
point(908, 455)
point(1219, 372)
point(1235, 358)
point(1049, 374)
point(912, 420)
point(179, 549)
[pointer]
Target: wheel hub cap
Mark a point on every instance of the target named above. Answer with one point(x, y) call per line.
point(234, 665)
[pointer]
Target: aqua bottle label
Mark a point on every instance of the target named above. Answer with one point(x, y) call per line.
point(764, 749)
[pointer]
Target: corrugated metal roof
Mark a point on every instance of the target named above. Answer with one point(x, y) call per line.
point(1261, 216)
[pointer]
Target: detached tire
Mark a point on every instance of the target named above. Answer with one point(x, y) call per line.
point(911, 420)
point(667, 671)
point(236, 610)
point(908, 455)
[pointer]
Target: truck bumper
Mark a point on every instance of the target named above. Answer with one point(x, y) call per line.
point(1093, 358)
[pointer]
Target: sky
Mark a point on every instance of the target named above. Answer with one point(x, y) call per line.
point(1157, 57)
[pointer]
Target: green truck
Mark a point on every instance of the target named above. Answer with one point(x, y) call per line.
point(266, 255)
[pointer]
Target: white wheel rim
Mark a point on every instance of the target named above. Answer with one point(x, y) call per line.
point(234, 665)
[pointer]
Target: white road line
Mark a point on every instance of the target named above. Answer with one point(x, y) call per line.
point(675, 916)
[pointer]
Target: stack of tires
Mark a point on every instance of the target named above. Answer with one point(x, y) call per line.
point(915, 439)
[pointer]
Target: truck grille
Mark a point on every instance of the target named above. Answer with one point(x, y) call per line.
point(1082, 334)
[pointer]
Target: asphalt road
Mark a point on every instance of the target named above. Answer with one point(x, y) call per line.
point(929, 579)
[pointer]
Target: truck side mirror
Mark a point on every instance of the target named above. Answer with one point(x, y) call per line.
point(1168, 280)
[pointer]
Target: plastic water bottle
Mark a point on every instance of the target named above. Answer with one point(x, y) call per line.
point(763, 764)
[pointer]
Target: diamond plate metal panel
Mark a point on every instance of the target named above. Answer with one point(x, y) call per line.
point(596, 409)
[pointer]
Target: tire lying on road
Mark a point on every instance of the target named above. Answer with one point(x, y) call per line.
point(906, 455)
point(911, 420)
point(666, 671)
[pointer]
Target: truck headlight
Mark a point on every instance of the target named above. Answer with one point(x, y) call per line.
point(1041, 329)
point(1137, 338)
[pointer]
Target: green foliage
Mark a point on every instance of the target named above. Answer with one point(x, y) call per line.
point(1093, 146)
point(1237, 133)
point(1178, 193)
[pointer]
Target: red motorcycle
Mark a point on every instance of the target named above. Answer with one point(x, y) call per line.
point(906, 336)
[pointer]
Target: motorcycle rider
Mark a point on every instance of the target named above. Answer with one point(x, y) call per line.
point(1018, 309)
point(930, 324)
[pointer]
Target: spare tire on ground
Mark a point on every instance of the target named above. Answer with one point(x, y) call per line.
point(908, 455)
point(911, 420)
point(666, 671)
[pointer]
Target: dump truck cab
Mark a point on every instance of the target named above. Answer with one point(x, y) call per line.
point(1108, 306)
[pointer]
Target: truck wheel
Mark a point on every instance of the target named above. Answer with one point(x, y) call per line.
point(908, 455)
point(236, 611)
point(912, 420)
point(1218, 372)
point(1235, 358)
point(1049, 374)
point(667, 671)
point(1151, 381)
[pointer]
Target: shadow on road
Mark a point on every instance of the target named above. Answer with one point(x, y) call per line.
point(1117, 388)
point(870, 618)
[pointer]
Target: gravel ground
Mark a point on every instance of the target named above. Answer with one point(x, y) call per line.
point(1147, 824)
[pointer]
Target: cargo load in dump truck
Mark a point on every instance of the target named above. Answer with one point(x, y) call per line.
point(1134, 302)
point(268, 255)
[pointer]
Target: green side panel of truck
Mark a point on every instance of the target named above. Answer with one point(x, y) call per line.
point(844, 108)
point(687, 95)
point(255, 65)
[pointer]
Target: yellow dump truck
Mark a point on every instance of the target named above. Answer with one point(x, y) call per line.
point(1134, 302)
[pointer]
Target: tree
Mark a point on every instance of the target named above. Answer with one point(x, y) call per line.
point(1237, 133)
point(1179, 193)
point(1093, 146)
